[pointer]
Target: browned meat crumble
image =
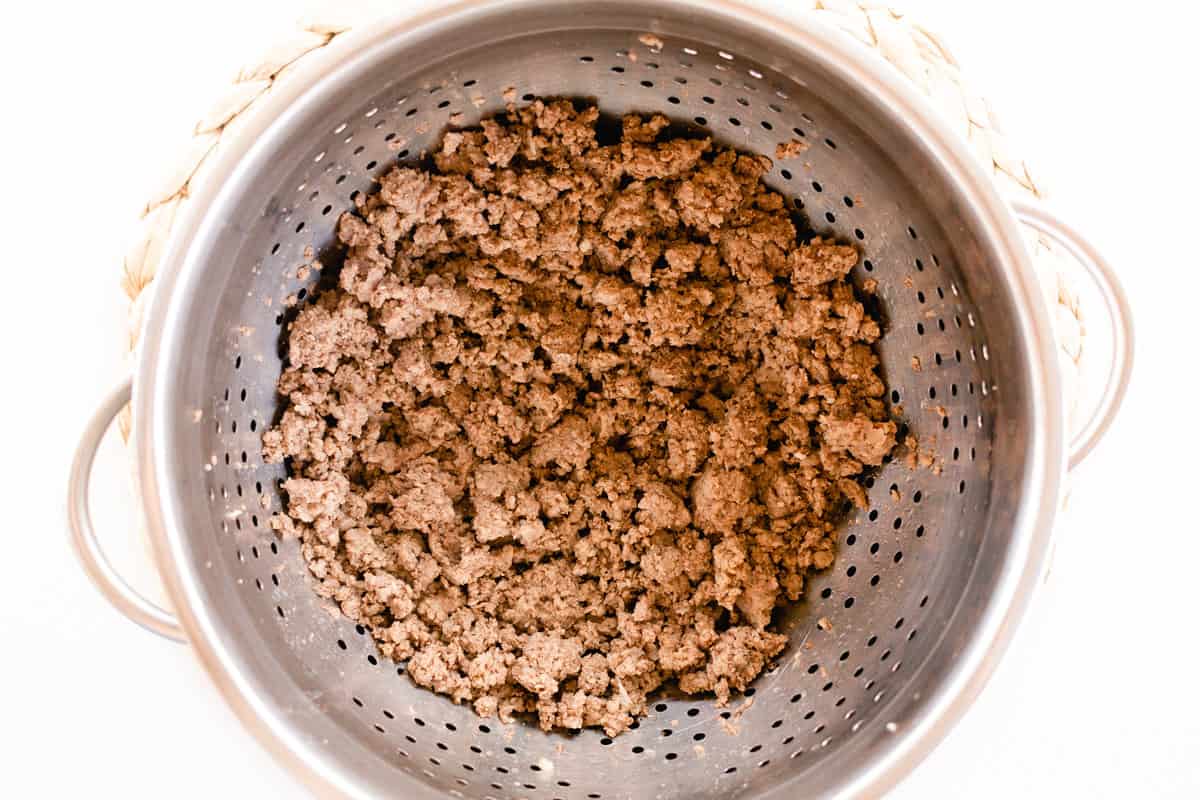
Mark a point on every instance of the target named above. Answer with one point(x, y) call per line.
point(577, 417)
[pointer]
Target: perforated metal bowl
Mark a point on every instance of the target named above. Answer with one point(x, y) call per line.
point(928, 583)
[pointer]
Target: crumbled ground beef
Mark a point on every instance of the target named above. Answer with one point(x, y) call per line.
point(578, 417)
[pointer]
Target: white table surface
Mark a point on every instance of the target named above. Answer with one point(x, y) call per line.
point(1097, 696)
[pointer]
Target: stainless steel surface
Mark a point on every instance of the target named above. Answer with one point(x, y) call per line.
point(87, 547)
point(1120, 321)
point(928, 584)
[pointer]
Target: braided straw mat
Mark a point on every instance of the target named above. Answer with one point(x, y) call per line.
point(907, 46)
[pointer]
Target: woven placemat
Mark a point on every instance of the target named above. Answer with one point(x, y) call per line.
point(909, 47)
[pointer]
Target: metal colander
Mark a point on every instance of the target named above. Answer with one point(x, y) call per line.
point(927, 583)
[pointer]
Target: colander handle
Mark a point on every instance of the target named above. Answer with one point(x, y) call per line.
point(1120, 319)
point(99, 569)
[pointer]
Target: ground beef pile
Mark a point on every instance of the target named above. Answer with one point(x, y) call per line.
point(577, 417)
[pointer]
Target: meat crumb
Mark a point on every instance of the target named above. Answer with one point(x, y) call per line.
point(790, 149)
point(651, 41)
point(576, 418)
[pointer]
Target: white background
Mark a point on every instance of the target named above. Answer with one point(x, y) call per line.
point(1096, 698)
